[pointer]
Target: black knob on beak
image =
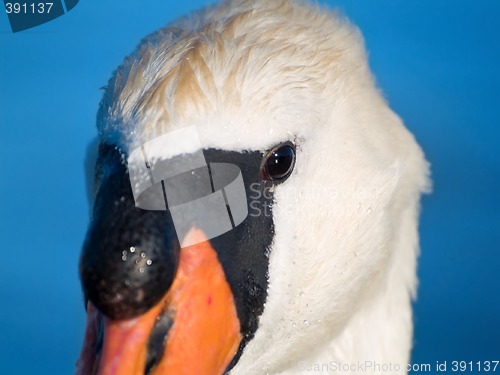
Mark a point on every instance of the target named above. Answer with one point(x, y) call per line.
point(130, 255)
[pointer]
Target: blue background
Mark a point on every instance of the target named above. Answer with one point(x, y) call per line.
point(437, 62)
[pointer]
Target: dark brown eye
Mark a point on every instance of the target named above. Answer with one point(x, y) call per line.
point(278, 163)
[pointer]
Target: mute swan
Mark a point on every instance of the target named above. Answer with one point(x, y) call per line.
point(320, 274)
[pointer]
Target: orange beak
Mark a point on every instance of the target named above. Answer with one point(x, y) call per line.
point(198, 316)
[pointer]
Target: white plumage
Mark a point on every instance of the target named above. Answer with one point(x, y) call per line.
point(250, 74)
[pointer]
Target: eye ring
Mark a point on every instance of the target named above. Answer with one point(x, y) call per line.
point(278, 163)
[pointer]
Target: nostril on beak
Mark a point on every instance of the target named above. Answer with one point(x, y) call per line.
point(129, 257)
point(157, 341)
point(100, 335)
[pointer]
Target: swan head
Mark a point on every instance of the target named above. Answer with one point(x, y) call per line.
point(321, 266)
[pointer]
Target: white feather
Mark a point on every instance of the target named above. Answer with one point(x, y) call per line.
point(248, 75)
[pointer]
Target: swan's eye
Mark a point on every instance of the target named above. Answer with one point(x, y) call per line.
point(278, 162)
